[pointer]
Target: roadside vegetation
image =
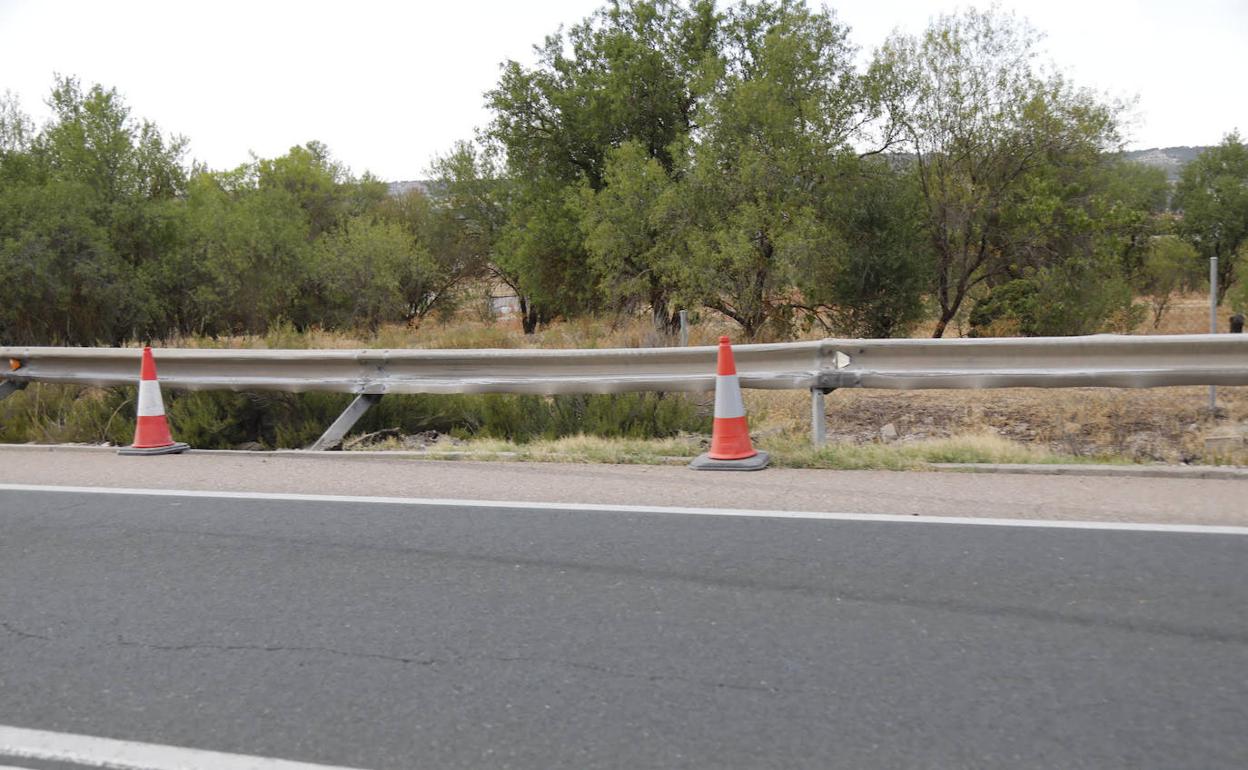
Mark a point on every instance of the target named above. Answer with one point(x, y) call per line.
point(788, 451)
point(736, 161)
point(879, 429)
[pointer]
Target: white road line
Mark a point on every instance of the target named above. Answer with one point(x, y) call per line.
point(17, 742)
point(1198, 529)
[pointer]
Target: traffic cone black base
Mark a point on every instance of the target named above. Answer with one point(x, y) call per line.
point(173, 448)
point(705, 462)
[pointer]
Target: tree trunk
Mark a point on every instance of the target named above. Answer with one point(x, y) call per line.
point(665, 323)
point(528, 320)
point(1226, 276)
point(528, 315)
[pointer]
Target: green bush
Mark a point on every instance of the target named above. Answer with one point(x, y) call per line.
point(225, 420)
point(1075, 298)
point(628, 415)
point(67, 414)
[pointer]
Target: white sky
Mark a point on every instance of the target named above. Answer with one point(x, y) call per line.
point(387, 85)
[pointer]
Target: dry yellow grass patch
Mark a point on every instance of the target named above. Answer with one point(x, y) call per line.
point(1157, 424)
point(787, 451)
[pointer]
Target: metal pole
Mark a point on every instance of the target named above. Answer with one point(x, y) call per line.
point(818, 418)
point(1213, 322)
point(347, 420)
point(684, 328)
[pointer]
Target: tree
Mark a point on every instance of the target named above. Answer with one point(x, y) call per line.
point(260, 243)
point(871, 281)
point(630, 72)
point(752, 200)
point(1212, 195)
point(369, 272)
point(1170, 264)
point(86, 217)
point(16, 127)
point(1238, 296)
point(988, 130)
point(311, 178)
point(476, 199)
point(246, 256)
point(1132, 208)
point(443, 254)
point(627, 250)
point(1076, 234)
point(757, 199)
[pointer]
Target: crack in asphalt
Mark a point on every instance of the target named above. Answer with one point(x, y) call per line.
point(20, 634)
point(122, 642)
point(648, 677)
point(420, 661)
point(453, 660)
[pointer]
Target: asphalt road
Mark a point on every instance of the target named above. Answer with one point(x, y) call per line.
point(394, 636)
point(1145, 500)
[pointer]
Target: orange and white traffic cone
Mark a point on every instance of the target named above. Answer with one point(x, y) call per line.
point(151, 432)
point(731, 449)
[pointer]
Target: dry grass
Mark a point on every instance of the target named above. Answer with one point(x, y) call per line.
point(787, 451)
point(1185, 314)
point(1160, 424)
point(1188, 314)
point(593, 332)
point(793, 452)
point(580, 449)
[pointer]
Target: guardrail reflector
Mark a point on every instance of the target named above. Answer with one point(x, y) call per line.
point(15, 364)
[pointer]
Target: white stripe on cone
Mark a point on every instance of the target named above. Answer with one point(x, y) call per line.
point(150, 403)
point(728, 401)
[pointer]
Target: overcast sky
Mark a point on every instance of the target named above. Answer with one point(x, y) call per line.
point(387, 85)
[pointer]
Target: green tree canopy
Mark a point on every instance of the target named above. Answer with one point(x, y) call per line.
point(998, 143)
point(86, 216)
point(1212, 195)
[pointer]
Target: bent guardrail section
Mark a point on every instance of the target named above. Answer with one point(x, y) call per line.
point(898, 364)
point(379, 372)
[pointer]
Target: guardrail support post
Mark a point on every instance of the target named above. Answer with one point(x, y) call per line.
point(1213, 323)
point(8, 388)
point(347, 420)
point(684, 328)
point(818, 418)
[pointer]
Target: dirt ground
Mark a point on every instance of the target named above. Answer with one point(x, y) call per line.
point(1172, 425)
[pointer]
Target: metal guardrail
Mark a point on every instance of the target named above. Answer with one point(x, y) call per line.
point(819, 366)
point(1103, 360)
point(1038, 362)
point(380, 372)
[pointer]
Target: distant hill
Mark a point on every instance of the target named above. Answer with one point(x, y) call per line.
point(403, 188)
point(1169, 159)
